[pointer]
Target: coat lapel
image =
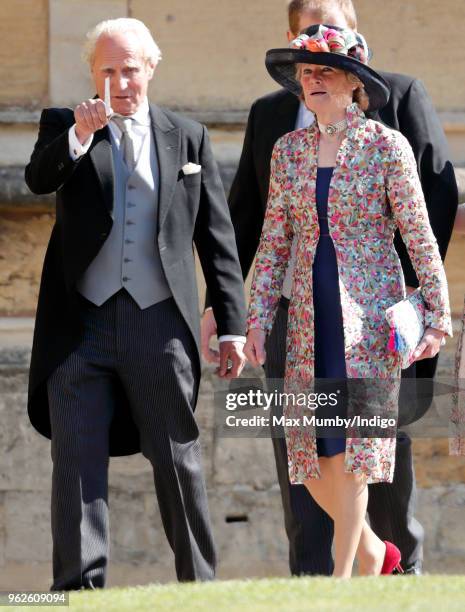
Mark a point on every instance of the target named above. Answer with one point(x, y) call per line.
point(349, 165)
point(102, 159)
point(347, 157)
point(168, 145)
point(308, 173)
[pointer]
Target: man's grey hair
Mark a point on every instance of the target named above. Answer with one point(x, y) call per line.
point(123, 25)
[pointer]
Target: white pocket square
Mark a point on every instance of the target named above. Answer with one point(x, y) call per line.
point(191, 168)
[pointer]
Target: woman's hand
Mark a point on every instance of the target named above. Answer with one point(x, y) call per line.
point(429, 345)
point(254, 348)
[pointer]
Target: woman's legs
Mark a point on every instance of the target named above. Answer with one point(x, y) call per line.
point(370, 552)
point(344, 496)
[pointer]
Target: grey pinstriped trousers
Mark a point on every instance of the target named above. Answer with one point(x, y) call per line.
point(151, 354)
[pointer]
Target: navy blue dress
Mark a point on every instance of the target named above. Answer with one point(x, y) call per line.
point(328, 332)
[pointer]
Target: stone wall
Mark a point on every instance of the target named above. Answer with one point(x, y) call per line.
point(24, 47)
point(212, 69)
point(214, 50)
point(40, 43)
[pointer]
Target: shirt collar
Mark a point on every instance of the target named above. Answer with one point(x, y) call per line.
point(142, 116)
point(304, 117)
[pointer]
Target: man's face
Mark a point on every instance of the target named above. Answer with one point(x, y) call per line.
point(120, 57)
point(309, 18)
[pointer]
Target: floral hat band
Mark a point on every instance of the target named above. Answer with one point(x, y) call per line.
point(329, 40)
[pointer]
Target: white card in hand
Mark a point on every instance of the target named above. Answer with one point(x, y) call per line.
point(108, 97)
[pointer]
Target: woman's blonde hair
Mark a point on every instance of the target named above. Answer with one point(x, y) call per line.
point(360, 95)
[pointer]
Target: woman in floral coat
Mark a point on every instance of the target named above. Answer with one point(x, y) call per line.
point(342, 187)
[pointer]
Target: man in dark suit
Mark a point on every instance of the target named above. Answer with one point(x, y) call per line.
point(391, 506)
point(116, 362)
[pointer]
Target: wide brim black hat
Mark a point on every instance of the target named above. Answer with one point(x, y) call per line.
point(280, 64)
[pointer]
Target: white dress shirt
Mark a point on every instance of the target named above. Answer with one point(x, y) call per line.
point(140, 129)
point(304, 118)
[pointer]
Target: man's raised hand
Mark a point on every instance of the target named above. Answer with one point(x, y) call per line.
point(90, 116)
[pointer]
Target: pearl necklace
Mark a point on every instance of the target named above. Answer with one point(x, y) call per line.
point(333, 128)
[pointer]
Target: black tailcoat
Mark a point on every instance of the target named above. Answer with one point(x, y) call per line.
point(192, 210)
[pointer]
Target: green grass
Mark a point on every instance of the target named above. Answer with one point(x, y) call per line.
point(422, 593)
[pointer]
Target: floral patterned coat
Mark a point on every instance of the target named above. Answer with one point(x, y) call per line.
point(374, 189)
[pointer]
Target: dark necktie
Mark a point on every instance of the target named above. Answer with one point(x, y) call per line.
point(127, 143)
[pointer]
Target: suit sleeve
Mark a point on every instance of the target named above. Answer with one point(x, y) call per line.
point(419, 123)
point(216, 247)
point(50, 165)
point(245, 203)
point(409, 210)
point(274, 249)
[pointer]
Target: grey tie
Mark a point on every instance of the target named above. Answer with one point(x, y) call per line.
point(127, 143)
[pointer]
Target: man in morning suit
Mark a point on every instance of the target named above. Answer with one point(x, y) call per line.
point(116, 357)
point(390, 506)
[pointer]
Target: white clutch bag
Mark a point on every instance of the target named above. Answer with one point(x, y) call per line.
point(407, 322)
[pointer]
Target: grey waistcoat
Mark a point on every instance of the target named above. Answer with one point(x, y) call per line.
point(129, 257)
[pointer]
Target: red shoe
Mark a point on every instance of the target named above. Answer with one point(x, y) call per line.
point(391, 559)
